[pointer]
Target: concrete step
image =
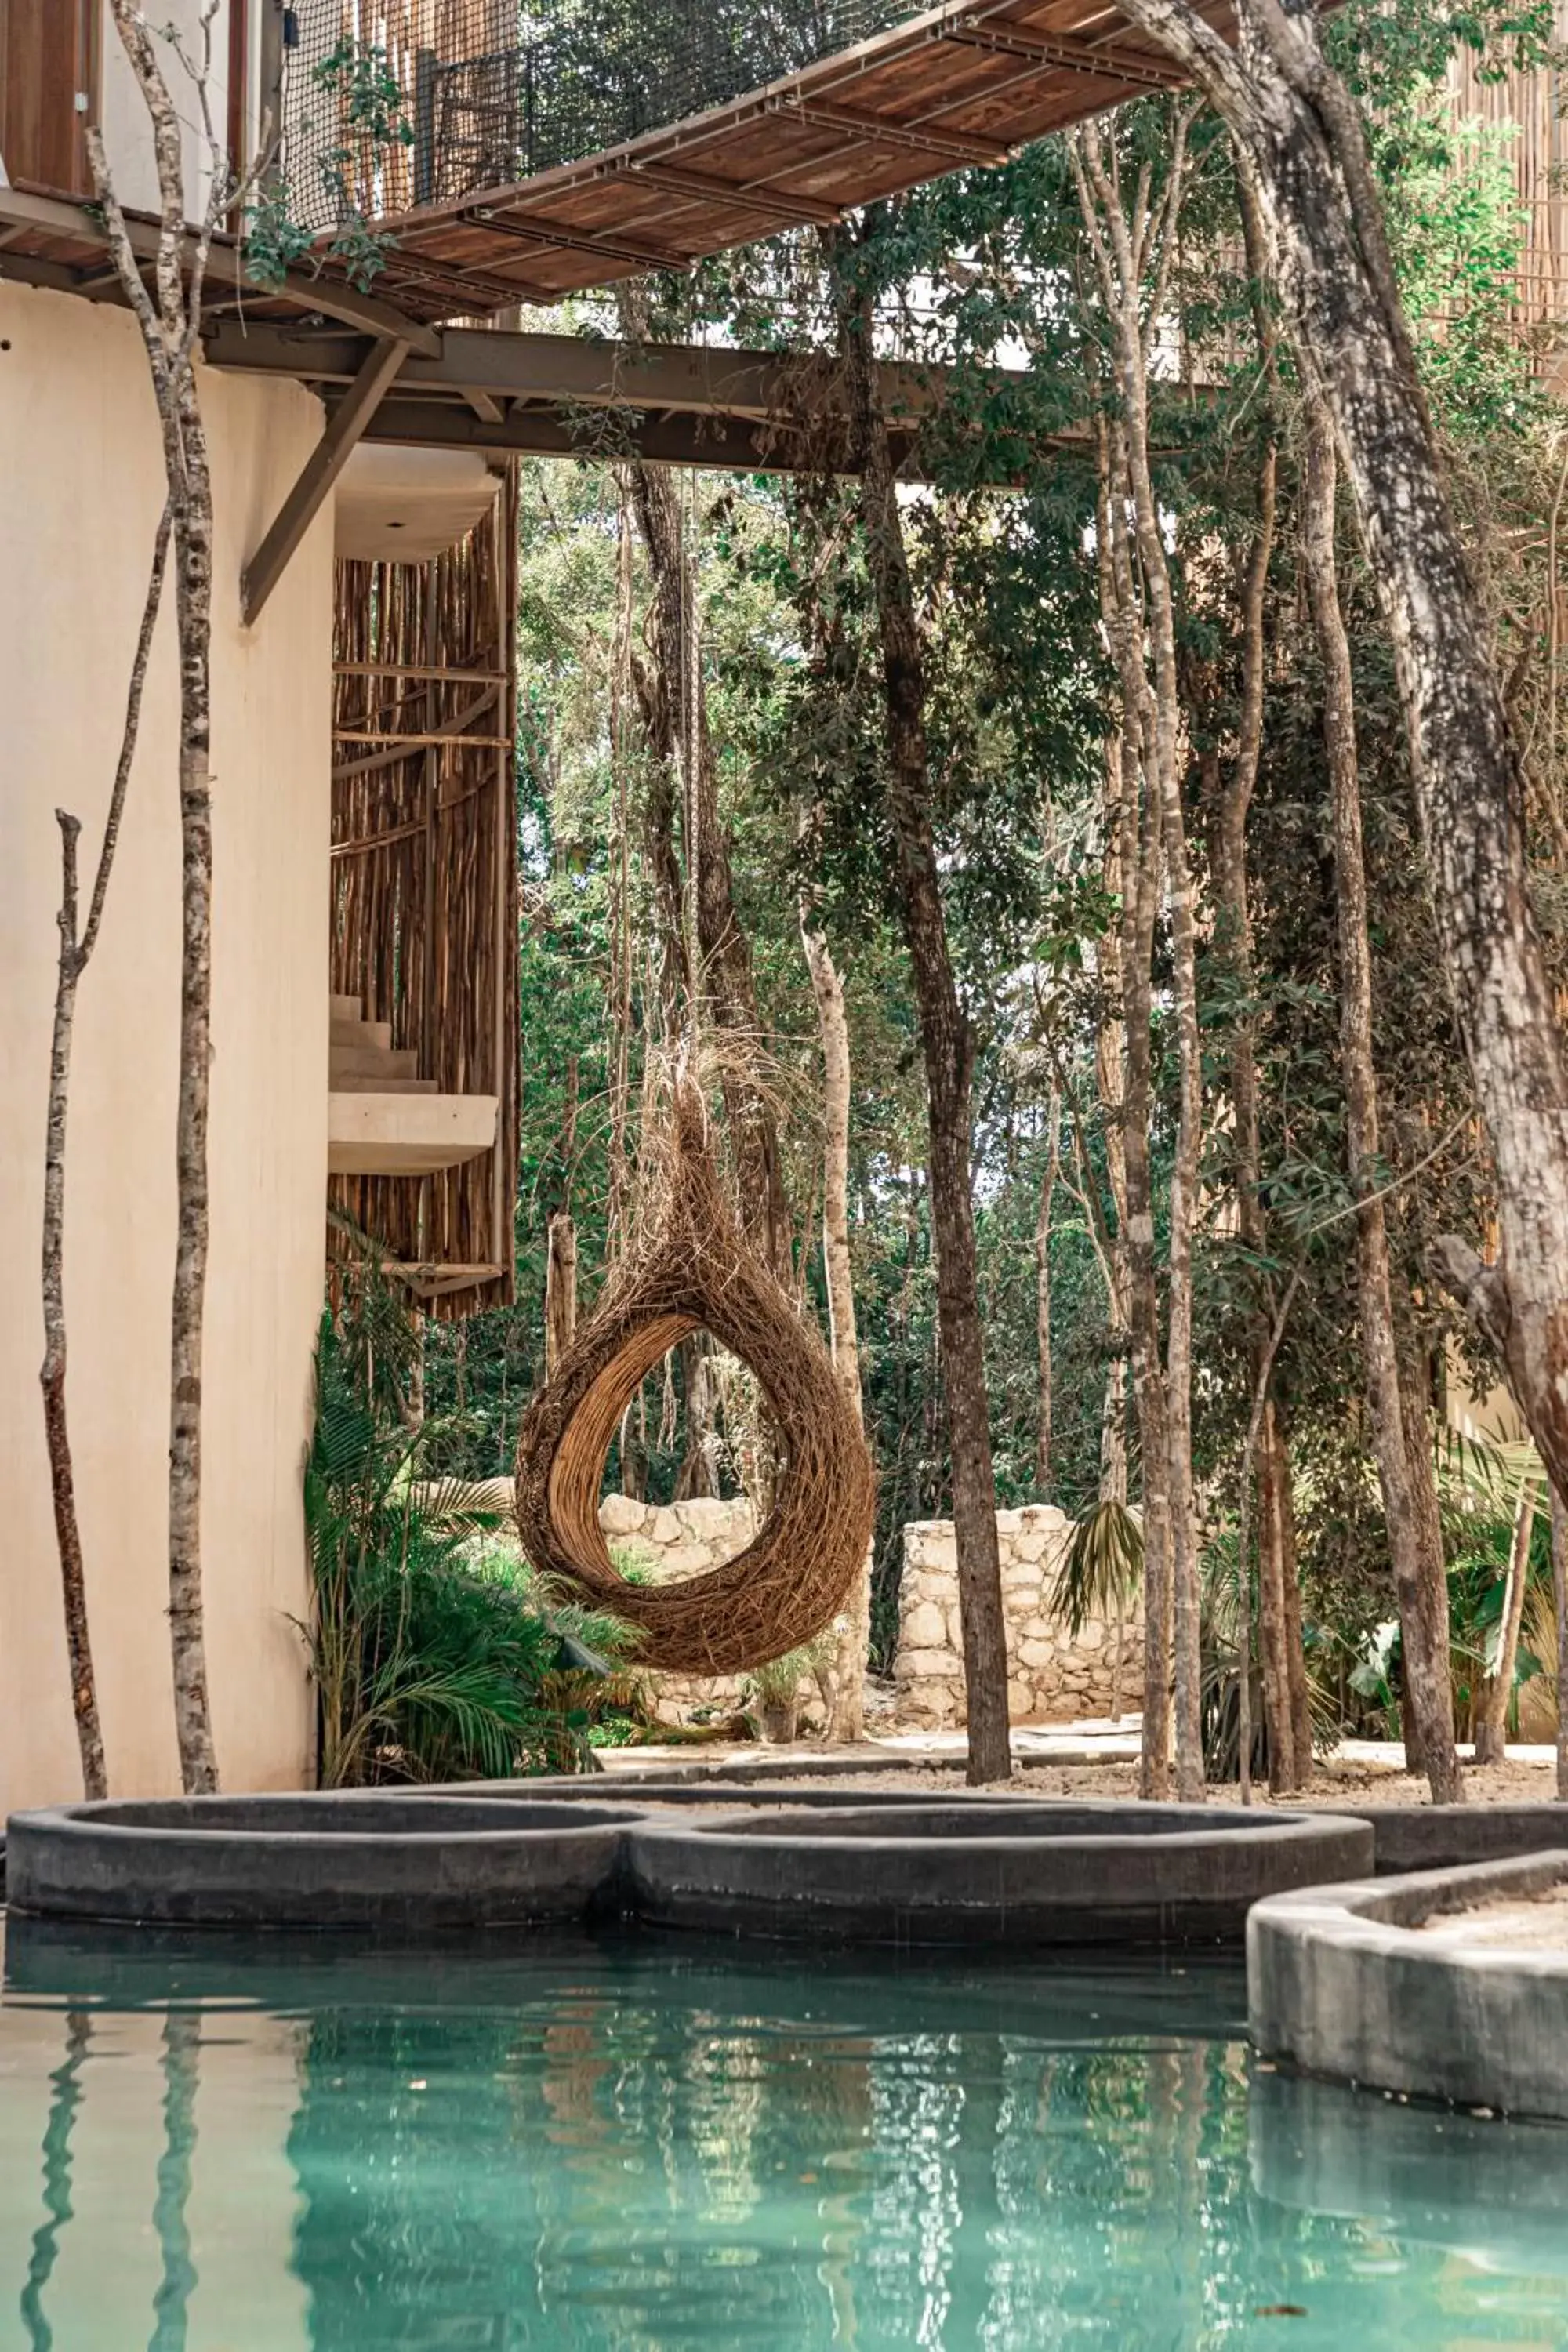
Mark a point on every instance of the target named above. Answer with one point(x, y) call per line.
point(372, 1062)
point(376, 1085)
point(389, 1135)
point(348, 1008)
point(358, 1032)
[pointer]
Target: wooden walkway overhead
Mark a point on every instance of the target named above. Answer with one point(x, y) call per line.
point(470, 232)
point(969, 82)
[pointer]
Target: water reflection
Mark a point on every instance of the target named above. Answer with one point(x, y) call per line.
point(649, 2147)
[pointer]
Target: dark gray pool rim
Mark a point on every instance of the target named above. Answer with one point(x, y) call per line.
point(1342, 1984)
point(974, 1870)
point(955, 1870)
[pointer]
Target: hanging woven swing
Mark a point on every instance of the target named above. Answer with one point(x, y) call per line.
point(697, 1272)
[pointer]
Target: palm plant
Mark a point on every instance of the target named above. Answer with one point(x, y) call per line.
point(1102, 1576)
point(433, 1656)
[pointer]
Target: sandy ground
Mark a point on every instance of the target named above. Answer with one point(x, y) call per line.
point(1538, 1924)
point(1343, 1783)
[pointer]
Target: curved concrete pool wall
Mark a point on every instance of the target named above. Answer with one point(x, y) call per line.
point(973, 1869)
point(405, 1865)
point(1342, 1982)
point(1009, 1871)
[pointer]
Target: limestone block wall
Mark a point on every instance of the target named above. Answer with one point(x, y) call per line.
point(672, 1540)
point(1052, 1674)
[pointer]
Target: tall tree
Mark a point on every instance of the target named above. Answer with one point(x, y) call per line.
point(948, 1049)
point(1298, 128)
point(847, 1717)
point(1133, 235)
point(1402, 1452)
point(1043, 1399)
point(170, 315)
point(78, 941)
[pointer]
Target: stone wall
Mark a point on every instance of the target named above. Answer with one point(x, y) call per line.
point(672, 1540)
point(1053, 1676)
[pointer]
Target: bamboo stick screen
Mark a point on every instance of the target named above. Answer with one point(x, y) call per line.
point(1531, 106)
point(425, 881)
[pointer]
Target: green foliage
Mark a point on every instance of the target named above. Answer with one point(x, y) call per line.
point(1101, 1571)
point(983, 266)
point(434, 1655)
point(357, 80)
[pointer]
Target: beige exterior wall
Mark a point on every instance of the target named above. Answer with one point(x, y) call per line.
point(79, 494)
point(122, 110)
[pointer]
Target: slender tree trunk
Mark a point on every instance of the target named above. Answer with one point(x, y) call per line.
point(1279, 1620)
point(1143, 1299)
point(1417, 1571)
point(846, 1717)
point(1295, 1646)
point(948, 1047)
point(1491, 1731)
point(561, 1240)
point(1044, 1471)
point(695, 1478)
point(1560, 1595)
point(75, 952)
point(1271, 1477)
point(169, 318)
point(560, 1289)
point(1132, 254)
point(1299, 131)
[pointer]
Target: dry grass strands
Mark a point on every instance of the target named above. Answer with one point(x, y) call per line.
point(694, 1271)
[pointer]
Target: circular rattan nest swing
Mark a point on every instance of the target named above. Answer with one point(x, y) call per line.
point(696, 1271)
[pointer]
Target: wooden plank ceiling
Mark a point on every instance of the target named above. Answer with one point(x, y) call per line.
point(969, 82)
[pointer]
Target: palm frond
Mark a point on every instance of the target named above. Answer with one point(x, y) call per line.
point(1101, 1571)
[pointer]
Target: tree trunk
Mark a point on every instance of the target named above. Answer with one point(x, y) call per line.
point(1491, 1731)
point(1299, 131)
point(847, 1718)
point(560, 1289)
point(1132, 259)
point(1295, 1647)
point(694, 1479)
point(75, 952)
point(948, 1048)
point(168, 321)
point(1560, 1595)
point(1045, 1474)
point(1279, 1620)
point(1272, 1475)
point(1417, 1570)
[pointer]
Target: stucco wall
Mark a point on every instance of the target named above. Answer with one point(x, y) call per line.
point(79, 494)
point(1053, 1676)
point(122, 109)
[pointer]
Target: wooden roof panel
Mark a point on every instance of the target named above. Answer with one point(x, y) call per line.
point(968, 81)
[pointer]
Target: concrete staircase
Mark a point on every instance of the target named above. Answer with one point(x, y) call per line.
point(363, 1059)
point(383, 1118)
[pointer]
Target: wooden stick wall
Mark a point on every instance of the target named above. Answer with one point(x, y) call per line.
point(424, 880)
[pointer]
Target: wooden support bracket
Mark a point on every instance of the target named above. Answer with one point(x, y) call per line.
point(326, 461)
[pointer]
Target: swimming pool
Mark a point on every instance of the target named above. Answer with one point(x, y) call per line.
point(669, 2145)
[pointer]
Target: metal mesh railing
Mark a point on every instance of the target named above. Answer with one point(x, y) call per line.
point(418, 102)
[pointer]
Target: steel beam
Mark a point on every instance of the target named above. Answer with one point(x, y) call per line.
point(345, 429)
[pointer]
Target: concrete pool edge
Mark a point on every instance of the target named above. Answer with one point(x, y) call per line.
point(405, 1867)
point(1342, 1983)
point(1109, 1872)
point(1007, 1869)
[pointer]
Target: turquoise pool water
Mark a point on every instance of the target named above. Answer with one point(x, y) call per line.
point(655, 2147)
